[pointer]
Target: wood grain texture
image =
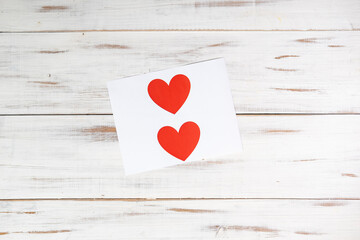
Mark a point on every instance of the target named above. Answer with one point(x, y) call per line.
point(44, 15)
point(79, 157)
point(272, 72)
point(56, 57)
point(191, 219)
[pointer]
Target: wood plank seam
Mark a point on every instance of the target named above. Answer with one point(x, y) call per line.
point(185, 30)
point(173, 199)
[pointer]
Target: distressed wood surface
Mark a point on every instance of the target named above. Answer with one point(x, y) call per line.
point(180, 219)
point(288, 57)
point(79, 156)
point(272, 72)
point(45, 15)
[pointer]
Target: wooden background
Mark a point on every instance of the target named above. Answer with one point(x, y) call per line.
point(294, 67)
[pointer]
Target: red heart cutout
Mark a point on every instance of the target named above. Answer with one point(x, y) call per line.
point(170, 97)
point(179, 144)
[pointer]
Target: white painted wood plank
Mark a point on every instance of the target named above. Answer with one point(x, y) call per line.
point(44, 15)
point(176, 219)
point(79, 156)
point(269, 71)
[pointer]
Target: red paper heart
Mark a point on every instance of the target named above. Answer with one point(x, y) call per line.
point(179, 144)
point(170, 97)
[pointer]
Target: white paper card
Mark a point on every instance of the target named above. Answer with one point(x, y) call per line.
point(174, 116)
